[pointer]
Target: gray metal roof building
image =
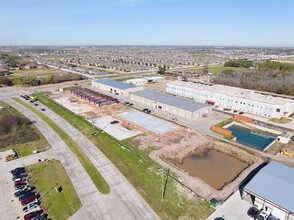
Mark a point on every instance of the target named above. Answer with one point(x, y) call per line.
point(114, 83)
point(274, 183)
point(177, 102)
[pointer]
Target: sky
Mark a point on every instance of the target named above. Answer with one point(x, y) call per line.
point(147, 22)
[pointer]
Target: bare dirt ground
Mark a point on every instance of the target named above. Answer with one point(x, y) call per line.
point(180, 144)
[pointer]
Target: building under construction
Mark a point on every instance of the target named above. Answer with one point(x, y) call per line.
point(94, 97)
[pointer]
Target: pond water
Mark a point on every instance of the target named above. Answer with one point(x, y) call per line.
point(213, 167)
point(255, 139)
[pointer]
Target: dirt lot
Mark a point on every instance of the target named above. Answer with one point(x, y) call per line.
point(181, 144)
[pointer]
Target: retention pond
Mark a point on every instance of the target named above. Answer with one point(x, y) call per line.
point(213, 167)
point(256, 139)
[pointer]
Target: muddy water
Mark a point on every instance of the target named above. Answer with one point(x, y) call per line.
point(213, 167)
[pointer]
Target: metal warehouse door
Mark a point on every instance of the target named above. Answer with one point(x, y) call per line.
point(278, 213)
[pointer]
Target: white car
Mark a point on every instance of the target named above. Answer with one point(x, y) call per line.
point(30, 206)
point(263, 215)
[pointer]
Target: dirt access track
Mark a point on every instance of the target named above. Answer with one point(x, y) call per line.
point(182, 144)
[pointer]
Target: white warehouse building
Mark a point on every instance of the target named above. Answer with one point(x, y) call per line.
point(234, 98)
point(174, 105)
point(143, 81)
point(116, 87)
point(272, 189)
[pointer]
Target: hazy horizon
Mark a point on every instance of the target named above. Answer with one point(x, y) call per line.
point(263, 23)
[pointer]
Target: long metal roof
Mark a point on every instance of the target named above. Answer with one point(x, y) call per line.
point(275, 183)
point(177, 102)
point(114, 84)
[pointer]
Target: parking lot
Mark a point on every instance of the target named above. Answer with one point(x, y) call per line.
point(10, 207)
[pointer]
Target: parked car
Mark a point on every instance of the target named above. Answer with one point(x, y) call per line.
point(271, 217)
point(22, 180)
point(19, 193)
point(22, 175)
point(235, 111)
point(20, 186)
point(126, 103)
point(41, 217)
point(145, 109)
point(28, 200)
point(18, 170)
point(262, 215)
point(241, 113)
point(253, 212)
point(32, 215)
point(114, 122)
point(42, 109)
point(36, 104)
point(30, 206)
point(26, 195)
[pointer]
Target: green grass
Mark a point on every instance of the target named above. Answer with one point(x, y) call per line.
point(282, 120)
point(96, 177)
point(218, 69)
point(225, 122)
point(199, 55)
point(145, 178)
point(24, 149)
point(46, 176)
point(35, 72)
point(71, 87)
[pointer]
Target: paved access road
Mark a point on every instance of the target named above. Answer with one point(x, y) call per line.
point(123, 202)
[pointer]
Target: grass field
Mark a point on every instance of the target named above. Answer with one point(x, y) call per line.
point(27, 148)
point(96, 177)
point(45, 176)
point(219, 69)
point(35, 72)
point(282, 120)
point(145, 178)
point(199, 55)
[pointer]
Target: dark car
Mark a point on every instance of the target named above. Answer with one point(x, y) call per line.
point(28, 200)
point(22, 175)
point(145, 110)
point(20, 186)
point(126, 103)
point(114, 122)
point(36, 104)
point(18, 170)
point(253, 212)
point(32, 215)
point(235, 111)
point(41, 217)
point(26, 195)
point(22, 192)
point(42, 109)
point(241, 113)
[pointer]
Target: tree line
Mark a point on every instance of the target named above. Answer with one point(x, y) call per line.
point(36, 81)
point(239, 63)
point(268, 76)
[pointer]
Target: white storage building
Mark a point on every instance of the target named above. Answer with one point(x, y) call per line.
point(177, 106)
point(143, 81)
point(272, 189)
point(116, 87)
point(234, 98)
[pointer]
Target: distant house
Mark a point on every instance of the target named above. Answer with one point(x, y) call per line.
point(14, 68)
point(3, 71)
point(31, 66)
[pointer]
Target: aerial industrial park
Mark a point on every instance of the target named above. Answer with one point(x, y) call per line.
point(195, 140)
point(146, 110)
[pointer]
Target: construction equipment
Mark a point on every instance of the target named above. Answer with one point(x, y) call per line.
point(286, 153)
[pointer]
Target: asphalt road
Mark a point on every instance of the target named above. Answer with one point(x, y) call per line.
point(123, 202)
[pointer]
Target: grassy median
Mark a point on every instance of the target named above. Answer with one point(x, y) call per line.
point(45, 176)
point(146, 179)
point(96, 177)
